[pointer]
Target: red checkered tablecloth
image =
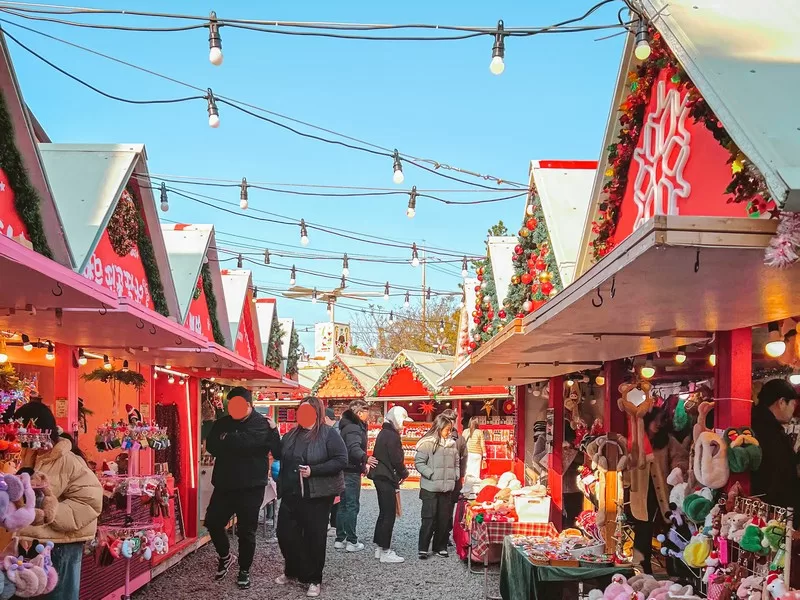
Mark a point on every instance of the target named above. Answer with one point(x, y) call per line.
point(485, 534)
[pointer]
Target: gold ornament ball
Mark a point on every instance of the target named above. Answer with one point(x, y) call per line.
point(524, 232)
point(545, 276)
point(515, 279)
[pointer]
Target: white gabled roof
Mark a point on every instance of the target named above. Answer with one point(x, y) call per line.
point(237, 284)
point(265, 311)
point(432, 367)
point(501, 254)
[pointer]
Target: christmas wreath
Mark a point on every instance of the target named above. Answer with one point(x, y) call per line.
point(123, 227)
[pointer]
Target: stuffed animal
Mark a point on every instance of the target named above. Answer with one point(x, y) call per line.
point(744, 451)
point(750, 588)
point(697, 506)
point(776, 587)
point(697, 551)
point(711, 460)
point(660, 591)
point(47, 506)
point(572, 403)
point(677, 592)
point(679, 483)
point(620, 589)
point(23, 578)
point(7, 588)
point(774, 535)
point(21, 511)
point(736, 525)
point(712, 564)
point(753, 536)
point(597, 450)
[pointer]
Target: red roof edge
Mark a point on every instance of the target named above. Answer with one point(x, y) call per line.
point(567, 164)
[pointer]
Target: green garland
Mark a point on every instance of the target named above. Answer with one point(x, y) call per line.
point(536, 253)
point(211, 301)
point(148, 257)
point(401, 362)
point(26, 198)
point(132, 378)
point(328, 371)
point(274, 357)
point(293, 356)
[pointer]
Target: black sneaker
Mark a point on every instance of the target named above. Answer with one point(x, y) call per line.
point(223, 566)
point(423, 556)
point(243, 581)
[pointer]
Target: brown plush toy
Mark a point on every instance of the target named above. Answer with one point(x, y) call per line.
point(572, 402)
point(636, 401)
point(46, 502)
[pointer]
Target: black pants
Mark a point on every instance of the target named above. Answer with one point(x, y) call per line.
point(643, 530)
point(303, 536)
point(245, 504)
point(334, 513)
point(436, 517)
point(573, 506)
point(387, 513)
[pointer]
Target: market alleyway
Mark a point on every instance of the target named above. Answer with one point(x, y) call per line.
point(347, 576)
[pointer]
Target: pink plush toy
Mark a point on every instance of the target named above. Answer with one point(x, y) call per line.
point(20, 574)
point(619, 589)
point(661, 592)
point(44, 562)
point(19, 488)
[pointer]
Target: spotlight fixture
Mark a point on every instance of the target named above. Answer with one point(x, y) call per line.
point(398, 176)
point(213, 111)
point(412, 203)
point(303, 233)
point(680, 355)
point(26, 343)
point(775, 346)
point(648, 370)
point(82, 360)
point(243, 201)
point(642, 49)
point(125, 367)
point(51, 353)
point(214, 41)
point(497, 66)
point(164, 198)
point(106, 362)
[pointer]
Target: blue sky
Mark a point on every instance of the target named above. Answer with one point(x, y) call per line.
point(433, 99)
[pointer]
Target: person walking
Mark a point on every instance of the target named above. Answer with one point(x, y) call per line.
point(330, 421)
point(476, 449)
point(461, 447)
point(387, 475)
point(437, 463)
point(240, 447)
point(313, 460)
point(80, 501)
point(353, 429)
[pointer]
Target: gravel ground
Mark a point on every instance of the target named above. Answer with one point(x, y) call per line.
point(346, 575)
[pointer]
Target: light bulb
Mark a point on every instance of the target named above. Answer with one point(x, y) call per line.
point(712, 360)
point(497, 66)
point(213, 111)
point(642, 51)
point(398, 176)
point(155, 374)
point(171, 379)
point(50, 354)
point(407, 300)
point(410, 212)
point(164, 206)
point(600, 380)
point(125, 367)
point(82, 360)
point(415, 262)
point(215, 56)
point(304, 240)
point(213, 121)
point(26, 343)
point(386, 292)
point(680, 356)
point(106, 363)
point(776, 345)
point(181, 381)
point(243, 204)
point(794, 378)
point(570, 382)
point(648, 370)
point(314, 296)
point(213, 379)
point(412, 203)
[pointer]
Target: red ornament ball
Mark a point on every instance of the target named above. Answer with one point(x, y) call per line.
point(480, 271)
point(531, 224)
point(476, 320)
point(473, 345)
point(477, 288)
point(480, 277)
point(526, 278)
point(501, 314)
point(519, 250)
point(490, 315)
point(520, 315)
point(541, 265)
point(547, 287)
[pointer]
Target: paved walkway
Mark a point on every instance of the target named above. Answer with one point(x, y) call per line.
point(347, 576)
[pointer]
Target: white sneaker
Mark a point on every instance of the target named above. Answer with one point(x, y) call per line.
point(313, 591)
point(378, 552)
point(357, 547)
point(389, 556)
point(331, 531)
point(282, 580)
point(338, 545)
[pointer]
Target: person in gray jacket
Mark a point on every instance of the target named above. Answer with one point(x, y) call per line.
point(437, 463)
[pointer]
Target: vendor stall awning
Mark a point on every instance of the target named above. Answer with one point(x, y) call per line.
point(673, 282)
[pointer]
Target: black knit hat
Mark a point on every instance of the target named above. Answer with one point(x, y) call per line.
point(41, 415)
point(243, 392)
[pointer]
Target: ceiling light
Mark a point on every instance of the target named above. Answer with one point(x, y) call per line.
point(82, 360)
point(600, 380)
point(680, 355)
point(497, 66)
point(776, 346)
point(648, 370)
point(106, 362)
point(214, 41)
point(50, 354)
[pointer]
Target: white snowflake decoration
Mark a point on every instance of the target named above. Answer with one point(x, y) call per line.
point(662, 157)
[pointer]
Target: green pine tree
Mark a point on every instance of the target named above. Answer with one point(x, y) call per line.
point(274, 357)
point(293, 355)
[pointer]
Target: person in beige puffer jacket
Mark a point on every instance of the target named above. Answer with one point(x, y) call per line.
point(80, 501)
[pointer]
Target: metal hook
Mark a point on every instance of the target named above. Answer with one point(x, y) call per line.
point(697, 262)
point(595, 303)
point(139, 324)
point(59, 288)
point(215, 358)
point(614, 286)
point(153, 330)
point(179, 341)
point(104, 310)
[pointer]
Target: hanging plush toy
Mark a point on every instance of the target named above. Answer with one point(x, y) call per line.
point(744, 451)
point(710, 465)
point(635, 401)
point(597, 451)
point(697, 506)
point(572, 403)
point(753, 536)
point(134, 416)
point(697, 551)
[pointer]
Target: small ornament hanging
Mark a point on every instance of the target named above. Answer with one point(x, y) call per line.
point(480, 277)
point(527, 306)
point(547, 288)
point(515, 279)
point(524, 233)
point(531, 224)
point(518, 250)
point(501, 313)
point(526, 278)
point(540, 264)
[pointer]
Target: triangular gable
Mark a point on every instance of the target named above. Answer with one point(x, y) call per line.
point(413, 373)
point(465, 322)
point(94, 186)
point(269, 340)
point(501, 253)
point(22, 176)
point(287, 327)
point(192, 251)
point(242, 320)
point(565, 191)
point(337, 381)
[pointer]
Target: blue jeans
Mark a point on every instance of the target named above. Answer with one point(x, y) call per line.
point(67, 560)
point(349, 505)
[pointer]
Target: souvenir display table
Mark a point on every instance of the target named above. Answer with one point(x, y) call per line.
point(521, 578)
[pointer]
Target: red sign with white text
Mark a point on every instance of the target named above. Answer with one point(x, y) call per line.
point(10, 223)
point(678, 168)
point(198, 318)
point(123, 275)
point(245, 340)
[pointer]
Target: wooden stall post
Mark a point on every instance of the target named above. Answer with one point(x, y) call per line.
point(556, 470)
point(733, 379)
point(519, 431)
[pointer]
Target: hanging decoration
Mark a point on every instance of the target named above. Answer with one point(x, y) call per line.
point(427, 408)
point(122, 436)
point(488, 407)
point(211, 301)
point(11, 386)
point(274, 356)
point(26, 198)
point(536, 277)
point(123, 226)
point(116, 378)
point(508, 407)
point(293, 355)
point(402, 362)
point(747, 185)
point(198, 288)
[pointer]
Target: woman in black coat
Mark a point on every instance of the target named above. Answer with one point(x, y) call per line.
point(313, 459)
point(387, 476)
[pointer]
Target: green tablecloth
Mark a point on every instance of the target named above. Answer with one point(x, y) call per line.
point(519, 578)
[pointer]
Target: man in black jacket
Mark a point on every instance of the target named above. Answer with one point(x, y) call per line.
point(777, 478)
point(353, 427)
point(241, 450)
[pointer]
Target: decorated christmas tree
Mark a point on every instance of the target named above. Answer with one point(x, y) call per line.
point(293, 355)
point(486, 316)
point(274, 358)
point(536, 277)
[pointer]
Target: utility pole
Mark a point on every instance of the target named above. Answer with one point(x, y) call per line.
point(424, 288)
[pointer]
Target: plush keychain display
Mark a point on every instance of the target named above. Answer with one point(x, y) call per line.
point(753, 536)
point(572, 403)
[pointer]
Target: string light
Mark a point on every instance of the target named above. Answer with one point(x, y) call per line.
point(345, 266)
point(106, 362)
point(125, 367)
point(171, 379)
point(293, 276)
point(497, 66)
point(428, 293)
point(243, 202)
point(441, 326)
point(255, 293)
point(414, 255)
point(407, 301)
point(712, 359)
point(303, 232)
point(648, 370)
point(181, 381)
point(155, 374)
point(794, 379)
point(343, 282)
point(213, 111)
point(164, 198)
point(412, 203)
point(642, 50)
point(680, 355)
point(3, 351)
point(398, 176)
point(314, 296)
point(26, 343)
point(776, 345)
point(464, 270)
point(50, 354)
point(214, 41)
point(386, 292)
point(600, 380)
point(266, 257)
point(82, 360)
point(391, 317)
point(239, 261)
